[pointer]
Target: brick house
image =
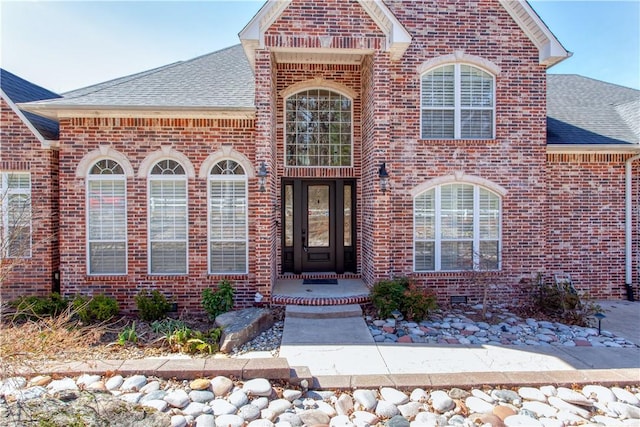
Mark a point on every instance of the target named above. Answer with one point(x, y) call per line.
point(349, 139)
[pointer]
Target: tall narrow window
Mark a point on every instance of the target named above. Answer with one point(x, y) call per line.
point(228, 219)
point(456, 227)
point(168, 218)
point(106, 219)
point(457, 102)
point(318, 129)
point(15, 206)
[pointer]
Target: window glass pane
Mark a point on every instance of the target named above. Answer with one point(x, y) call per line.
point(457, 211)
point(318, 129)
point(168, 210)
point(438, 87)
point(288, 215)
point(107, 218)
point(425, 216)
point(457, 255)
point(488, 255)
point(228, 257)
point(318, 216)
point(348, 236)
point(167, 167)
point(489, 215)
point(476, 87)
point(476, 123)
point(107, 258)
point(168, 257)
point(424, 256)
point(227, 219)
point(437, 124)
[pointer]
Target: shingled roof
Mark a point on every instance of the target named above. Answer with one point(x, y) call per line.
point(581, 110)
point(20, 90)
point(222, 81)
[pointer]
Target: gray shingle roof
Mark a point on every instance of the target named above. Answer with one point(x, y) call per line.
point(20, 90)
point(221, 80)
point(581, 110)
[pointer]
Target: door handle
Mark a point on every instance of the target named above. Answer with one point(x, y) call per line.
point(304, 241)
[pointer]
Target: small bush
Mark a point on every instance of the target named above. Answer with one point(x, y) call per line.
point(33, 307)
point(186, 340)
point(152, 305)
point(404, 296)
point(128, 334)
point(220, 301)
point(96, 308)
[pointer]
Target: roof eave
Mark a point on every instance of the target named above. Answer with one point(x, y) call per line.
point(551, 50)
point(593, 148)
point(16, 108)
point(70, 111)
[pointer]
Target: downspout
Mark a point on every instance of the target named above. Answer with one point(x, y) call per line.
point(629, 226)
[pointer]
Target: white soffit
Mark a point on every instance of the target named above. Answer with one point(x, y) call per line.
point(252, 35)
point(551, 50)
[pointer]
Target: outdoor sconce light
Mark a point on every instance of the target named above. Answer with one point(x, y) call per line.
point(384, 177)
point(262, 176)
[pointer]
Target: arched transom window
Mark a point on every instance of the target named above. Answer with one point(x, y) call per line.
point(457, 103)
point(168, 218)
point(318, 129)
point(457, 227)
point(228, 219)
point(106, 219)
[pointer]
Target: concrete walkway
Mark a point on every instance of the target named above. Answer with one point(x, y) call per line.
point(345, 346)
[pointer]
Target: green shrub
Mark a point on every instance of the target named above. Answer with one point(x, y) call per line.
point(36, 306)
point(387, 295)
point(152, 305)
point(220, 301)
point(96, 308)
point(400, 294)
point(417, 303)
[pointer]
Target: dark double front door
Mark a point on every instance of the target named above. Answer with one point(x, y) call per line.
point(318, 227)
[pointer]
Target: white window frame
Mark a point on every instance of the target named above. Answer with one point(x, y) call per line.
point(106, 177)
point(457, 105)
point(222, 178)
point(438, 239)
point(333, 91)
point(179, 178)
point(5, 193)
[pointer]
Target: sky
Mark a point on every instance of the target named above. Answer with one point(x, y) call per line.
point(66, 45)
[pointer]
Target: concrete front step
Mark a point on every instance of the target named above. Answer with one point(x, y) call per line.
point(323, 312)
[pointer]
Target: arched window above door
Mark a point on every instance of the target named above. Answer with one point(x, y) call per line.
point(318, 128)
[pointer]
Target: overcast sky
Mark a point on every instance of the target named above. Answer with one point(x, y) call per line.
point(65, 45)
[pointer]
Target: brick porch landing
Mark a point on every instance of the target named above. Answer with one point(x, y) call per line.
point(291, 291)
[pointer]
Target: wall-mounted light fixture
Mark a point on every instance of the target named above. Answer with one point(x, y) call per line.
point(384, 177)
point(262, 176)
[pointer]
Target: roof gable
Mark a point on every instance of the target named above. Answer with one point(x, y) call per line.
point(397, 37)
point(16, 90)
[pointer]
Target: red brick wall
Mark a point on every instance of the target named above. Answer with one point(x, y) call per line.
point(514, 160)
point(21, 151)
point(587, 221)
point(136, 139)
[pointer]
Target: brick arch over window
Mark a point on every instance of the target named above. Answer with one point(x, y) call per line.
point(104, 152)
point(226, 153)
point(462, 178)
point(166, 153)
point(459, 57)
point(319, 83)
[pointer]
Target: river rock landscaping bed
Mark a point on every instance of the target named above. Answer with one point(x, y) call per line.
point(138, 400)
